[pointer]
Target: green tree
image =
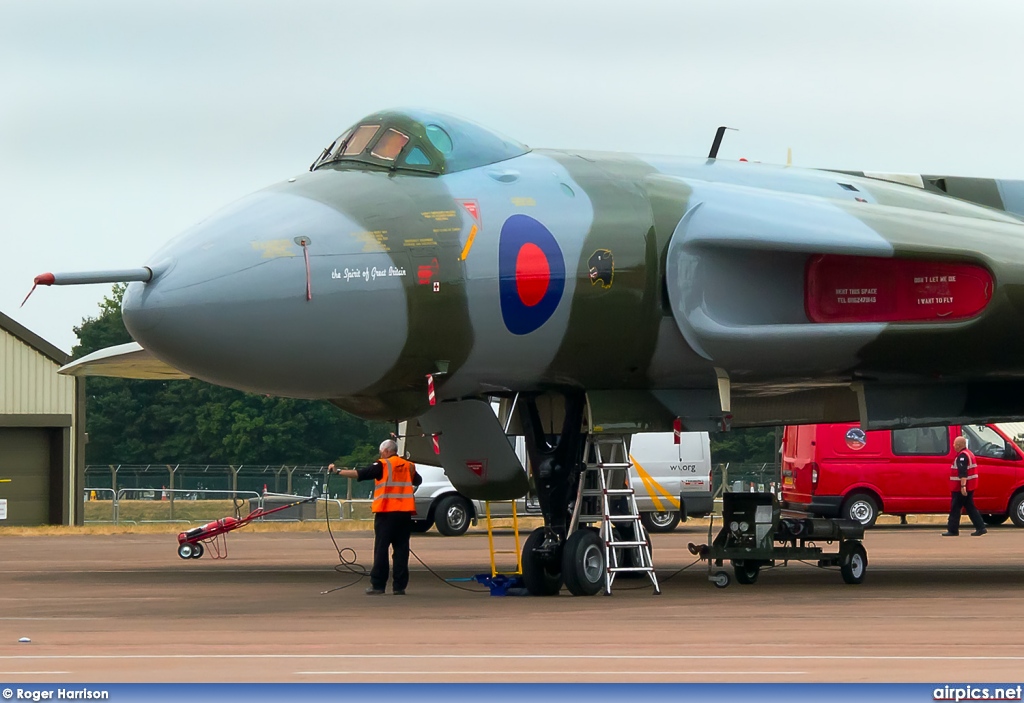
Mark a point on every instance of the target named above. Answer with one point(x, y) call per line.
point(192, 422)
point(746, 446)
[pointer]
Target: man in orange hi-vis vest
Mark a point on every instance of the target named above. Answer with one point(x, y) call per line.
point(963, 481)
point(393, 507)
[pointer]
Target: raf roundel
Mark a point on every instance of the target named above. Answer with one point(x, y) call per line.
point(531, 274)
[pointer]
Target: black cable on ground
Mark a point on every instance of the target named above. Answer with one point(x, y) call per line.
point(444, 580)
point(663, 580)
point(346, 565)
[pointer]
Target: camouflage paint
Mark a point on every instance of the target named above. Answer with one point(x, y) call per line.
point(701, 278)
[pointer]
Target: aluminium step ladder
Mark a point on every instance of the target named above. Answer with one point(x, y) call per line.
point(606, 496)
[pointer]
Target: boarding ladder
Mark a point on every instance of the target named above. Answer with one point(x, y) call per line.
point(518, 552)
point(606, 486)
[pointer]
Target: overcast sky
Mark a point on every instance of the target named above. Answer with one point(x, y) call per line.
point(124, 122)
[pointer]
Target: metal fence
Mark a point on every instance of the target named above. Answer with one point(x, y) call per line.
point(148, 479)
point(198, 494)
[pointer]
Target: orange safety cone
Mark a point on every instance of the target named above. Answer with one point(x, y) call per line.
point(264, 489)
point(163, 492)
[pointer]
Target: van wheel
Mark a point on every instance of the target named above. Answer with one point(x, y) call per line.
point(452, 516)
point(1017, 510)
point(541, 574)
point(853, 562)
point(661, 521)
point(862, 508)
point(420, 526)
point(995, 520)
point(583, 564)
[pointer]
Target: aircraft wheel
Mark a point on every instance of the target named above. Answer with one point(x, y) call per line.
point(197, 551)
point(662, 521)
point(853, 562)
point(746, 572)
point(583, 565)
point(720, 579)
point(995, 520)
point(185, 550)
point(541, 575)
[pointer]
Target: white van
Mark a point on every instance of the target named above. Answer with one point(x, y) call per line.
point(671, 482)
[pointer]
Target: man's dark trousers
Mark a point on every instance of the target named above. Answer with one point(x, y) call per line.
point(391, 530)
point(960, 501)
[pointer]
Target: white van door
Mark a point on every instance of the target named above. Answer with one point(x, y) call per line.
point(671, 479)
point(655, 483)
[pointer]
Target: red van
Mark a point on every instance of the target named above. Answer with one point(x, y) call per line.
point(843, 471)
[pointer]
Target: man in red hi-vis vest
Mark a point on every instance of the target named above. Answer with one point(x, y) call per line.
point(393, 507)
point(963, 481)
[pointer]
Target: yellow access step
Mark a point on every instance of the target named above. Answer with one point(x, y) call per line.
point(490, 541)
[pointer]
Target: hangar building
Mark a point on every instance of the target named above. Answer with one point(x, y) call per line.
point(42, 432)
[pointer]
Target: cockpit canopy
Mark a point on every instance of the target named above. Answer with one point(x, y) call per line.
point(416, 141)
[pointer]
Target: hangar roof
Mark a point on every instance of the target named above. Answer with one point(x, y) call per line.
point(33, 340)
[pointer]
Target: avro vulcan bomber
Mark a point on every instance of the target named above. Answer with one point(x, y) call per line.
point(425, 266)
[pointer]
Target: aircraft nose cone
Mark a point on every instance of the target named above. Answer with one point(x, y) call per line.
point(233, 308)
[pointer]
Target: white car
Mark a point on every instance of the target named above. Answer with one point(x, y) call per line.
point(671, 481)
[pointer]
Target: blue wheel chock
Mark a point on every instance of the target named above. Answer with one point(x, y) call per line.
point(500, 584)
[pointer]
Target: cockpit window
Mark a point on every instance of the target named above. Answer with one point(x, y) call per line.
point(360, 139)
point(334, 149)
point(418, 142)
point(389, 146)
point(440, 139)
point(416, 157)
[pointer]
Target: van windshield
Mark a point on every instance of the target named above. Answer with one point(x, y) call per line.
point(984, 441)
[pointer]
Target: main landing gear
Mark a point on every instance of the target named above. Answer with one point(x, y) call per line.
point(580, 483)
point(555, 469)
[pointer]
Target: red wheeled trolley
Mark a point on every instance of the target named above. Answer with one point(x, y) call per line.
point(214, 534)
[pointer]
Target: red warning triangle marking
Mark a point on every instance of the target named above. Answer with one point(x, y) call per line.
point(476, 467)
point(472, 208)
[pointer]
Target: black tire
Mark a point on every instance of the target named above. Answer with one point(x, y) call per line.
point(660, 521)
point(197, 550)
point(861, 508)
point(583, 564)
point(452, 516)
point(995, 520)
point(539, 576)
point(420, 526)
point(853, 562)
point(1017, 509)
point(746, 572)
point(185, 550)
